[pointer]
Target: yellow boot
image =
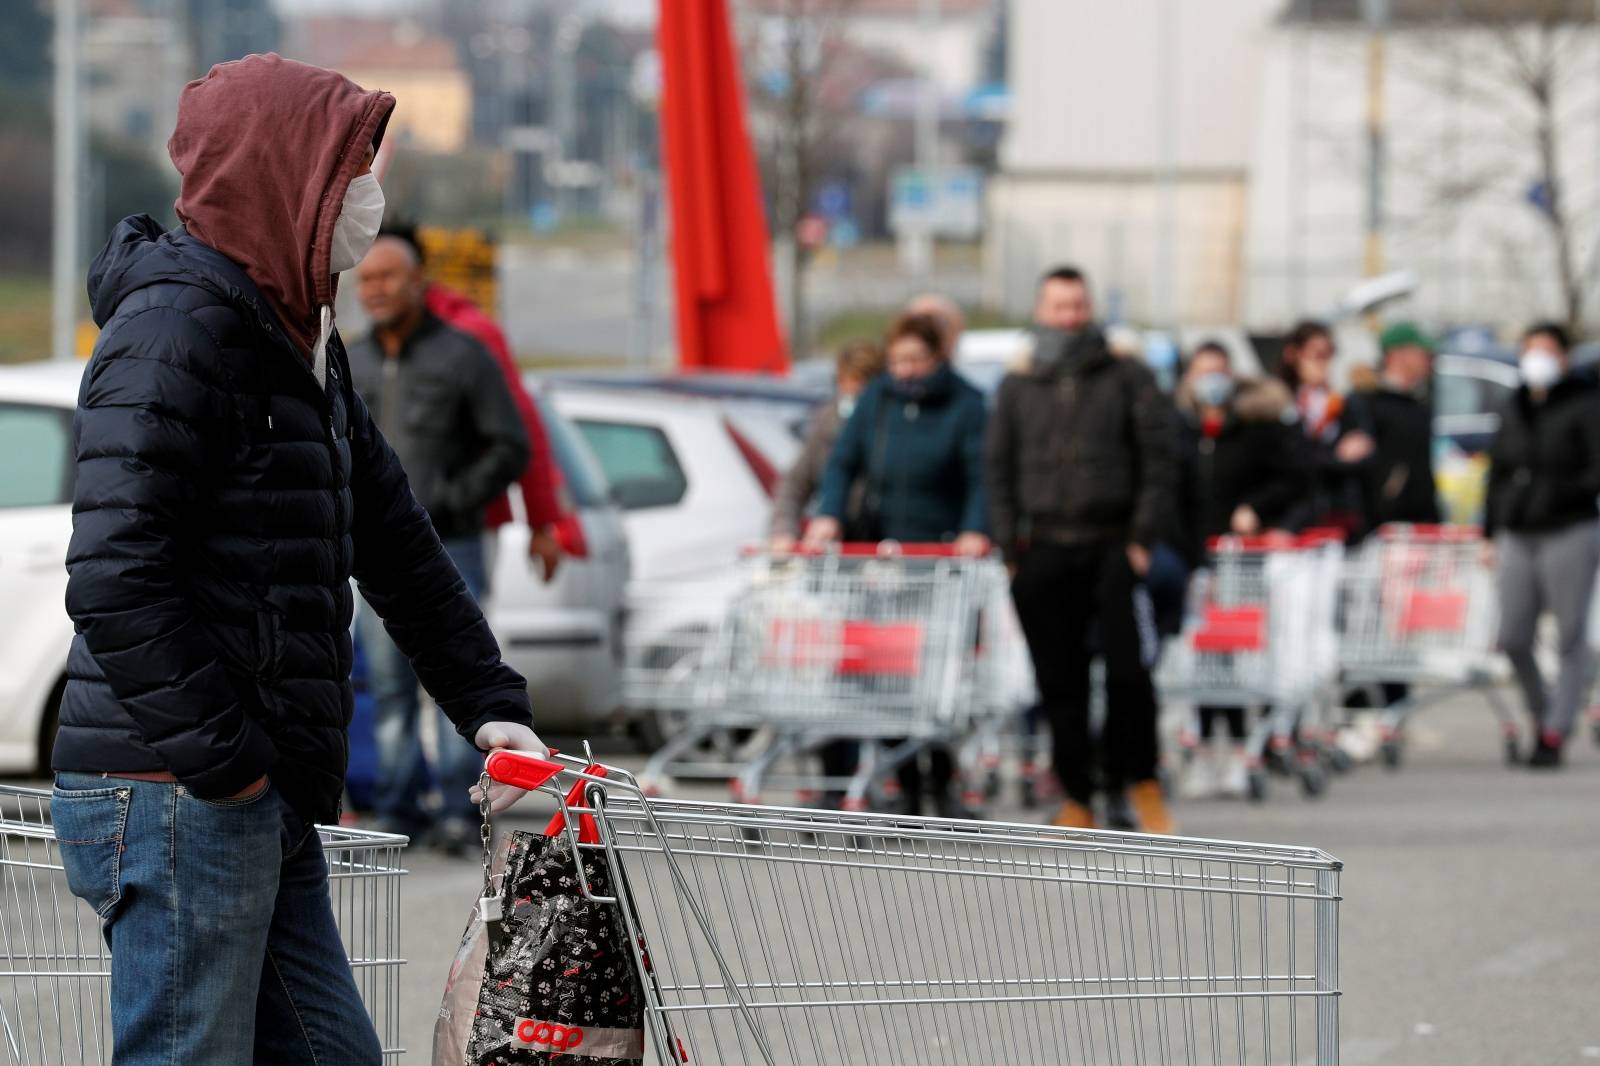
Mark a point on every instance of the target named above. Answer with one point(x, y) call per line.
point(1073, 815)
point(1150, 806)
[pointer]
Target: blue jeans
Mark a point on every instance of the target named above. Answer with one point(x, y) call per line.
point(224, 948)
point(402, 769)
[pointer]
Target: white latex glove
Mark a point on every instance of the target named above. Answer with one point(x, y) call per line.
point(512, 736)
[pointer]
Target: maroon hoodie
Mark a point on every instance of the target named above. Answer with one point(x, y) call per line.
point(266, 147)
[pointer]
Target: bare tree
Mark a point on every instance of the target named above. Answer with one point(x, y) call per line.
point(796, 44)
point(1525, 72)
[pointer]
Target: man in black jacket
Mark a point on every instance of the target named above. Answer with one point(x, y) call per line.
point(1544, 477)
point(229, 484)
point(442, 403)
point(1082, 474)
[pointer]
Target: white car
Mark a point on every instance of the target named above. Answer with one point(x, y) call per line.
point(564, 637)
point(695, 477)
point(36, 472)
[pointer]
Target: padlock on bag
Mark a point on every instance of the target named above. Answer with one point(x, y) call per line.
point(544, 974)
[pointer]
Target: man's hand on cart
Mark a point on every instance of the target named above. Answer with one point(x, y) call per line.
point(822, 532)
point(975, 545)
point(782, 544)
point(512, 736)
point(1245, 522)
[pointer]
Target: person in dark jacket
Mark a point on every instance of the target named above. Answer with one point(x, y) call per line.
point(1082, 474)
point(1338, 443)
point(915, 444)
point(229, 483)
point(1398, 482)
point(1544, 477)
point(443, 404)
point(857, 365)
point(1251, 473)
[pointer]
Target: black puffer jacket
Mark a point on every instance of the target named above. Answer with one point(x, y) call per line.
point(223, 502)
point(1081, 452)
point(1544, 464)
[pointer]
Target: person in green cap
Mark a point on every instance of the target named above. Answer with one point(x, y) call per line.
point(1398, 414)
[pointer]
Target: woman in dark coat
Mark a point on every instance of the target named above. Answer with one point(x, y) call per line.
point(914, 445)
point(1247, 472)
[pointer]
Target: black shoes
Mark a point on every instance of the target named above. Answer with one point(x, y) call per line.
point(1546, 756)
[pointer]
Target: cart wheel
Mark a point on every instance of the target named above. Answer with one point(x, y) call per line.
point(1392, 753)
point(1313, 782)
point(1595, 727)
point(1030, 794)
point(1257, 785)
point(1513, 750)
point(1338, 759)
point(991, 785)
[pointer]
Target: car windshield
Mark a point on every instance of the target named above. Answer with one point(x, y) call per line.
point(35, 456)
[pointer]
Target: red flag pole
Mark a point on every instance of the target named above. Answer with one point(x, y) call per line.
point(726, 314)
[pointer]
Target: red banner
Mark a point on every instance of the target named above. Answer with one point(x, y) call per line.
point(725, 310)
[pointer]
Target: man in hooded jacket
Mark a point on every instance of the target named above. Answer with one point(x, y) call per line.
point(229, 483)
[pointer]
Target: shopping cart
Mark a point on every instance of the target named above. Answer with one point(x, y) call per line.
point(1419, 610)
point(55, 971)
point(1260, 632)
point(885, 644)
point(771, 936)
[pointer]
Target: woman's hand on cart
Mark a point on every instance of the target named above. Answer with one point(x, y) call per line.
point(821, 532)
point(511, 736)
point(974, 545)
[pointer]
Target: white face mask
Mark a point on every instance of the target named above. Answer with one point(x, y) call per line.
point(358, 222)
point(1540, 369)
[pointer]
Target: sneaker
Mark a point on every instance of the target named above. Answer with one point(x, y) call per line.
point(1200, 776)
point(1236, 774)
point(1073, 815)
point(1547, 756)
point(1151, 807)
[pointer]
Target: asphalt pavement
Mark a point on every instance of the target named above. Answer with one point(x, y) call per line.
point(1469, 931)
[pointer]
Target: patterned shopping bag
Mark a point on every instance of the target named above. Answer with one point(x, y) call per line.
point(543, 974)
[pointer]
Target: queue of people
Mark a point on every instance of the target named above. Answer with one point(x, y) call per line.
point(1102, 492)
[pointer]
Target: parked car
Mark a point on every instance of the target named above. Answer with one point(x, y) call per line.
point(565, 637)
point(36, 477)
point(694, 477)
point(790, 400)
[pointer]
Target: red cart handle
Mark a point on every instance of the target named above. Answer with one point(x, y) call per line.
point(523, 770)
point(888, 549)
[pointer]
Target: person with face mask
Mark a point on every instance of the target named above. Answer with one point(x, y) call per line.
point(1248, 472)
point(442, 403)
point(1338, 444)
point(914, 445)
point(1082, 475)
point(229, 483)
point(1544, 477)
point(857, 365)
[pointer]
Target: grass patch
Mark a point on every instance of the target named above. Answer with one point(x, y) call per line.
point(867, 324)
point(24, 318)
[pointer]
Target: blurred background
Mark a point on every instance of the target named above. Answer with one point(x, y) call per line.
point(1212, 166)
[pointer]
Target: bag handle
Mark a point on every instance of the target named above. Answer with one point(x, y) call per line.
point(588, 832)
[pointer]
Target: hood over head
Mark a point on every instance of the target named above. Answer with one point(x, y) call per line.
point(266, 148)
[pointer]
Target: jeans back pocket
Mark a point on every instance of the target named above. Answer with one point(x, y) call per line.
point(89, 826)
